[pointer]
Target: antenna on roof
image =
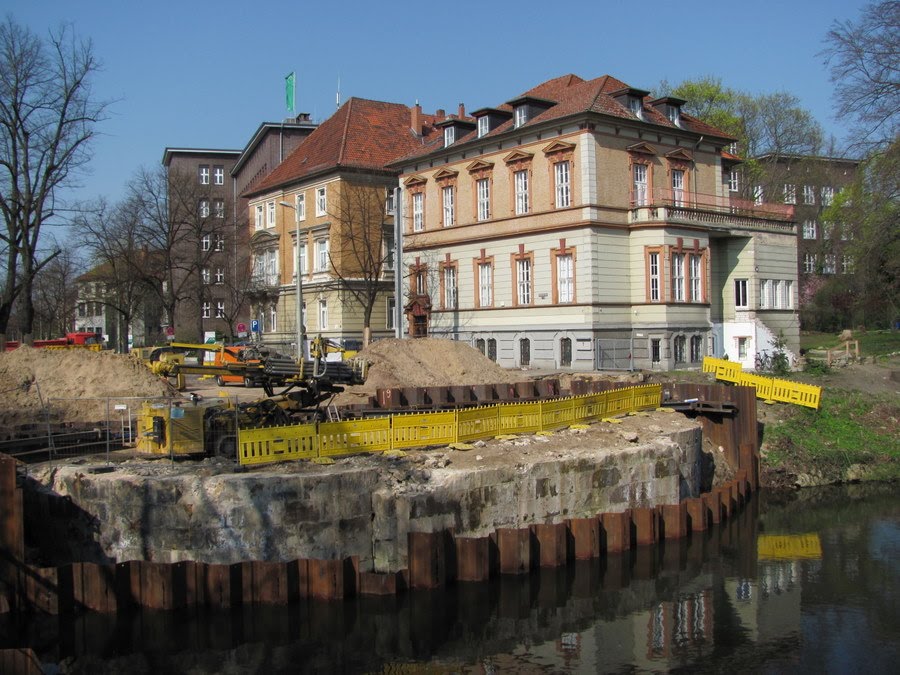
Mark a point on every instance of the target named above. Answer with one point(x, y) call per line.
point(337, 96)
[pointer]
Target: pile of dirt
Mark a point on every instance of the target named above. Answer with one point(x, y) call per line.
point(68, 379)
point(425, 362)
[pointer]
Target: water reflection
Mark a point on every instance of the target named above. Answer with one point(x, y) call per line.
point(720, 600)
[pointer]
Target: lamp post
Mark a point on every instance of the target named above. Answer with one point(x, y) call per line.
point(299, 285)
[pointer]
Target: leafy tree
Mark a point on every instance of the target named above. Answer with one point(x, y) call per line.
point(47, 121)
point(864, 57)
point(868, 211)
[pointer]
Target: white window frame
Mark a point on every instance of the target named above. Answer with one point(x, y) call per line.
point(451, 290)
point(205, 242)
point(273, 319)
point(388, 242)
point(565, 278)
point(741, 294)
point(809, 263)
point(204, 208)
point(220, 275)
point(449, 136)
point(523, 281)
point(300, 207)
point(695, 267)
point(205, 275)
point(260, 217)
point(809, 194)
point(827, 195)
point(810, 229)
point(390, 312)
point(483, 190)
point(485, 284)
point(418, 211)
point(790, 193)
point(484, 125)
point(322, 200)
point(219, 175)
point(389, 206)
point(758, 194)
point(830, 264)
point(322, 250)
point(639, 183)
point(204, 174)
point(218, 208)
point(787, 294)
point(220, 309)
point(447, 201)
point(765, 289)
point(323, 314)
point(521, 116)
point(654, 276)
point(205, 310)
point(220, 242)
point(733, 180)
point(270, 214)
point(562, 176)
point(636, 107)
point(520, 178)
point(678, 187)
point(678, 277)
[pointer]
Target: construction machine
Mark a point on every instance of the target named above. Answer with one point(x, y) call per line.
point(210, 427)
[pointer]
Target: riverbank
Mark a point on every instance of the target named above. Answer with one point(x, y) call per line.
point(854, 436)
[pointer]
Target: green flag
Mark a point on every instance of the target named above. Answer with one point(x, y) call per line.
point(289, 83)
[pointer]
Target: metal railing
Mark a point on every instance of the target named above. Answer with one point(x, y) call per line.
point(714, 210)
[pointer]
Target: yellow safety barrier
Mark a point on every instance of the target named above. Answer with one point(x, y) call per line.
point(408, 430)
point(418, 430)
point(276, 444)
point(557, 414)
point(767, 388)
point(520, 418)
point(354, 436)
point(476, 423)
point(789, 547)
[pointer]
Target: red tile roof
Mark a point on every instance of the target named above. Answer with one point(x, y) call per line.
point(574, 95)
point(362, 134)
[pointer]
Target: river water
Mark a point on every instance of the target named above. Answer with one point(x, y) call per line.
point(806, 582)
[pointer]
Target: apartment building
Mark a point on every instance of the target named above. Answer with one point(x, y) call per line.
point(585, 224)
point(326, 213)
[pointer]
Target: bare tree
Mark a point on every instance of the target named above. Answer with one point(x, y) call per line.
point(47, 120)
point(362, 248)
point(56, 296)
point(864, 57)
point(122, 265)
point(179, 226)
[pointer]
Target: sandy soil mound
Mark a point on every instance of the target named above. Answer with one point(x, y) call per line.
point(425, 362)
point(56, 375)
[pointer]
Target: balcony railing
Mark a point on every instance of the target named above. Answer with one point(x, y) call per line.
point(712, 210)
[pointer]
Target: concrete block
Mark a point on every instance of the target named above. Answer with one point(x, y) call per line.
point(585, 534)
point(552, 544)
point(514, 549)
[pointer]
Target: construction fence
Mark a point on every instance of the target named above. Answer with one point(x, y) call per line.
point(767, 388)
point(422, 429)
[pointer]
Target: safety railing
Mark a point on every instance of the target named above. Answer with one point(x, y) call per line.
point(416, 430)
point(767, 388)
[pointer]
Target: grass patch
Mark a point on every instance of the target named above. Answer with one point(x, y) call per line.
point(871, 343)
point(850, 428)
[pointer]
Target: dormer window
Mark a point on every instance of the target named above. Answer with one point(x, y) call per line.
point(636, 107)
point(521, 116)
point(449, 136)
point(674, 114)
point(484, 126)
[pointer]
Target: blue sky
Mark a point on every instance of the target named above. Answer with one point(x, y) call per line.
point(206, 74)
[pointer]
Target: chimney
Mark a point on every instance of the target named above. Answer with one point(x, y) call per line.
point(416, 119)
point(462, 111)
point(439, 113)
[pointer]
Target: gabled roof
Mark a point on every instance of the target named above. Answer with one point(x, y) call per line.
point(361, 135)
point(571, 95)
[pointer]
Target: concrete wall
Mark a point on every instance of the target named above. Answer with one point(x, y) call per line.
point(364, 507)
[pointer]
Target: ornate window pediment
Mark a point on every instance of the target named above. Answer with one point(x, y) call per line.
point(559, 146)
point(518, 156)
point(642, 149)
point(479, 165)
point(445, 175)
point(680, 155)
point(415, 181)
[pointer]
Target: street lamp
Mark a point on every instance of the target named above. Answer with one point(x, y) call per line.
point(299, 286)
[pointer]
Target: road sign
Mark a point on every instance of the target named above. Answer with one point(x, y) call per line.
point(254, 325)
point(242, 328)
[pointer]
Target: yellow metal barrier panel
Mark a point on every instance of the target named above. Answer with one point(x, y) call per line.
point(276, 444)
point(619, 402)
point(475, 423)
point(557, 414)
point(767, 388)
point(420, 430)
point(595, 406)
point(354, 436)
point(520, 418)
point(807, 395)
point(764, 385)
point(647, 396)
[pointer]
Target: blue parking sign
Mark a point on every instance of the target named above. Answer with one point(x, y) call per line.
point(254, 325)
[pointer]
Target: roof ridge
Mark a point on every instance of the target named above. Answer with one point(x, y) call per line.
point(346, 131)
